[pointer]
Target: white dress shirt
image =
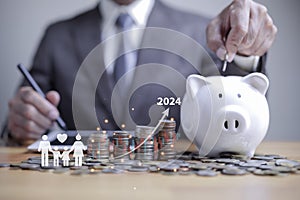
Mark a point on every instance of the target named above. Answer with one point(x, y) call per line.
point(139, 11)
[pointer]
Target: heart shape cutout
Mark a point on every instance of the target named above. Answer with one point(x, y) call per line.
point(62, 137)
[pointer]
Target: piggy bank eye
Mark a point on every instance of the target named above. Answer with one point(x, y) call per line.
point(220, 95)
point(239, 95)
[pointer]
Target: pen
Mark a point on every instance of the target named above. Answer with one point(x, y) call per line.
point(36, 87)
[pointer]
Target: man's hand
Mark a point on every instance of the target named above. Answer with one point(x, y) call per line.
point(30, 115)
point(244, 27)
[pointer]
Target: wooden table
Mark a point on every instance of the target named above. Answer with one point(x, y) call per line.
point(21, 184)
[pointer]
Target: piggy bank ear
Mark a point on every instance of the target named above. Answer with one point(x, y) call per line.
point(257, 80)
point(194, 83)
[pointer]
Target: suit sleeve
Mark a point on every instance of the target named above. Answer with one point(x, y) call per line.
point(41, 71)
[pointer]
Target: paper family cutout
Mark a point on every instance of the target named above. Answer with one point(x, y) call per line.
point(77, 147)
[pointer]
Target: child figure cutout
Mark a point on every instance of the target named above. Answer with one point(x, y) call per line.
point(65, 157)
point(56, 155)
point(45, 147)
point(78, 148)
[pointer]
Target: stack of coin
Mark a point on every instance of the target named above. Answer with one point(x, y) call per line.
point(121, 141)
point(98, 145)
point(148, 149)
point(166, 138)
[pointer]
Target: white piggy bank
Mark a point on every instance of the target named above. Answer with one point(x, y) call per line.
point(225, 114)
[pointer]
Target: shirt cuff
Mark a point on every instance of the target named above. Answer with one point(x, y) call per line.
point(247, 63)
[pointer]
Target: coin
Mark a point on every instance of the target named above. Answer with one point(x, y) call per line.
point(154, 169)
point(112, 171)
point(266, 167)
point(168, 173)
point(138, 169)
point(228, 161)
point(233, 171)
point(252, 163)
point(38, 162)
point(4, 165)
point(265, 172)
point(199, 167)
point(287, 163)
point(266, 158)
point(283, 169)
point(27, 166)
point(49, 167)
point(207, 172)
point(79, 167)
point(170, 168)
point(93, 171)
point(15, 165)
point(217, 166)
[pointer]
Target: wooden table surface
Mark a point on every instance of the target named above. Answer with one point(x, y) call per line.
point(23, 184)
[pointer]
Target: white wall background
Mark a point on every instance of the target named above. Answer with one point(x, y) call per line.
point(22, 24)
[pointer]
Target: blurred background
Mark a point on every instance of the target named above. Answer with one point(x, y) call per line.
point(22, 24)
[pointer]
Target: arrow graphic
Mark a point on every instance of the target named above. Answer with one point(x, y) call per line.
point(165, 114)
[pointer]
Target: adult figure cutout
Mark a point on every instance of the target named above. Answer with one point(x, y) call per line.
point(78, 148)
point(44, 146)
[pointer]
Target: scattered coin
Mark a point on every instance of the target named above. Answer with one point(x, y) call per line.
point(266, 158)
point(185, 173)
point(168, 173)
point(263, 165)
point(260, 172)
point(112, 171)
point(287, 163)
point(17, 165)
point(233, 171)
point(4, 165)
point(207, 172)
point(228, 161)
point(157, 155)
point(138, 169)
point(170, 168)
point(27, 166)
point(199, 166)
point(49, 167)
point(93, 171)
point(153, 169)
point(79, 167)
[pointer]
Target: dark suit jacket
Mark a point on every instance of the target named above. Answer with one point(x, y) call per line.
point(66, 44)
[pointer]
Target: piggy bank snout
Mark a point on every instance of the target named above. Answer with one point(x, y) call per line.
point(233, 119)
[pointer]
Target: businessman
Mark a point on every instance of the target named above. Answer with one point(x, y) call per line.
point(243, 29)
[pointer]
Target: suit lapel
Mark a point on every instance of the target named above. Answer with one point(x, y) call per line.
point(87, 37)
point(87, 33)
point(149, 55)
